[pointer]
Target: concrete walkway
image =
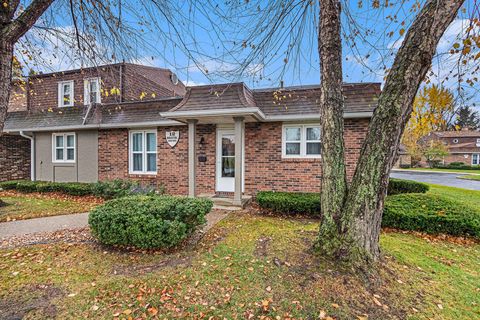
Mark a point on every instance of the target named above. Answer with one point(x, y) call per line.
point(46, 224)
point(73, 221)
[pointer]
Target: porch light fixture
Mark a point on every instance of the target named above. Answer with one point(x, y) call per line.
point(202, 140)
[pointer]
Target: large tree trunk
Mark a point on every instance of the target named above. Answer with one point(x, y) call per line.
point(10, 31)
point(6, 57)
point(360, 219)
point(334, 182)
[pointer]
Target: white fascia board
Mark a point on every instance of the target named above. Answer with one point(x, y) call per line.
point(212, 113)
point(100, 126)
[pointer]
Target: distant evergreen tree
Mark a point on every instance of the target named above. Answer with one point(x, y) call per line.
point(467, 118)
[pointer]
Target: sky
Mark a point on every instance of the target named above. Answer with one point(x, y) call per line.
point(209, 42)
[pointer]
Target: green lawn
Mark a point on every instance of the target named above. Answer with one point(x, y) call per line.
point(468, 197)
point(26, 206)
point(446, 170)
point(470, 177)
point(246, 266)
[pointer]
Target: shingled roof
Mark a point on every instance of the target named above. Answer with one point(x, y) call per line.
point(231, 99)
point(100, 116)
point(457, 134)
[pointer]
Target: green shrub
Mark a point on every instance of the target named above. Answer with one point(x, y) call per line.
point(148, 221)
point(458, 166)
point(77, 189)
point(9, 185)
point(120, 188)
point(432, 214)
point(27, 186)
point(397, 186)
point(289, 202)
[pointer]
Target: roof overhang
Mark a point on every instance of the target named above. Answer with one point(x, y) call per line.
point(251, 114)
point(98, 126)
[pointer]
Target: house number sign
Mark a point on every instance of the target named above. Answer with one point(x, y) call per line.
point(172, 137)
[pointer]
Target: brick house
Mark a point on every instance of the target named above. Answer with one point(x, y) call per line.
point(463, 146)
point(223, 139)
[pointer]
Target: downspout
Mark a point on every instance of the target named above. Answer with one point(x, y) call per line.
point(32, 154)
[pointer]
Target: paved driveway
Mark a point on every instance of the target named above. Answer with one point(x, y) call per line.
point(441, 178)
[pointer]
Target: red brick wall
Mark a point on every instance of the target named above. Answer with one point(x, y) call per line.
point(172, 163)
point(14, 158)
point(265, 169)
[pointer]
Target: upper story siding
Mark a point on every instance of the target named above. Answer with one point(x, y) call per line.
point(119, 83)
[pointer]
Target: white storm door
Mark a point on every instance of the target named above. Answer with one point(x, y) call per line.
point(225, 161)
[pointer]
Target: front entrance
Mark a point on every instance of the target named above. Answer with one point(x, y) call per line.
point(225, 171)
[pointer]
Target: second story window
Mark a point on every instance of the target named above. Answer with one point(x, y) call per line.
point(65, 94)
point(92, 91)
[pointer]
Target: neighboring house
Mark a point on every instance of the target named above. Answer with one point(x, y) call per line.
point(463, 146)
point(214, 139)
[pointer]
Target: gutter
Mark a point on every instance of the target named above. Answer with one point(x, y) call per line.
point(32, 154)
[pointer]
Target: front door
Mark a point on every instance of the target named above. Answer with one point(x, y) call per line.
point(225, 160)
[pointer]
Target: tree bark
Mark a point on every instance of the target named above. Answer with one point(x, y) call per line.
point(6, 57)
point(10, 31)
point(334, 181)
point(367, 192)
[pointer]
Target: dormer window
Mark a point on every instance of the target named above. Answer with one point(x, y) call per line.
point(65, 94)
point(92, 91)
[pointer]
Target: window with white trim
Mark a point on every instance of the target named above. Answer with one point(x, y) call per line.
point(143, 152)
point(65, 94)
point(478, 142)
point(91, 92)
point(475, 159)
point(301, 141)
point(63, 147)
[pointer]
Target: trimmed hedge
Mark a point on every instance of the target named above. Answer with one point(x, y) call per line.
point(309, 203)
point(398, 186)
point(105, 189)
point(289, 202)
point(458, 166)
point(71, 188)
point(431, 214)
point(148, 221)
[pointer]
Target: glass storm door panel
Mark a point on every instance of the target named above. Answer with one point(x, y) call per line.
point(225, 161)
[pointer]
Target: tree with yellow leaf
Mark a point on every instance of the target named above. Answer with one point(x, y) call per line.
point(433, 109)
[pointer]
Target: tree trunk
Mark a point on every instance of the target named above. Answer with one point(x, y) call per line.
point(359, 221)
point(334, 182)
point(6, 56)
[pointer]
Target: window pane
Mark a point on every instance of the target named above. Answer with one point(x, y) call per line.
point(70, 140)
point(228, 145)
point(93, 97)
point(228, 167)
point(292, 148)
point(70, 154)
point(151, 142)
point(313, 148)
point(151, 162)
point(137, 162)
point(59, 141)
point(313, 133)
point(137, 142)
point(292, 134)
point(66, 88)
point(59, 154)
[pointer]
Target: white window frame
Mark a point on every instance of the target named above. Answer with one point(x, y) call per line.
point(303, 141)
point(478, 142)
point(61, 101)
point(144, 151)
point(478, 159)
point(86, 90)
point(65, 148)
